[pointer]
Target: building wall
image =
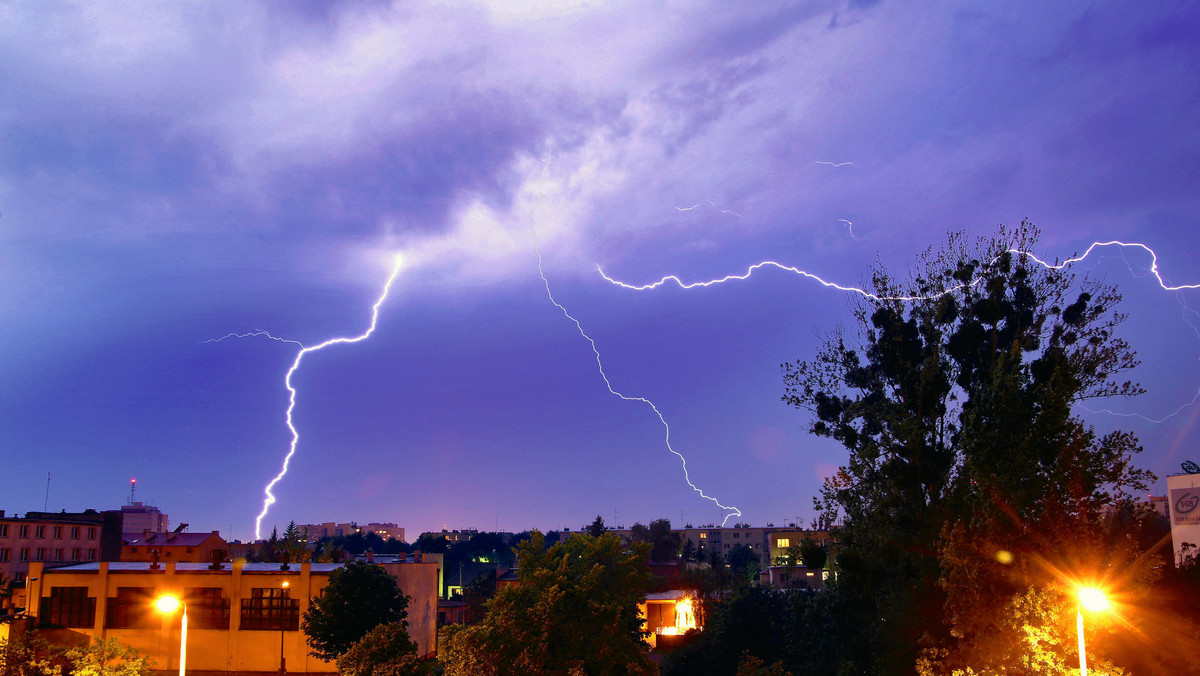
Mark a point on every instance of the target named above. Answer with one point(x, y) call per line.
point(54, 539)
point(238, 648)
point(185, 547)
point(1183, 500)
point(137, 517)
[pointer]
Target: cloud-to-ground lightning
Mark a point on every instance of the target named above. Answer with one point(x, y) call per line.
point(287, 381)
point(730, 511)
point(866, 294)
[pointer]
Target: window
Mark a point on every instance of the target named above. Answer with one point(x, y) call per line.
point(68, 607)
point(41, 554)
point(57, 532)
point(92, 533)
point(74, 532)
point(207, 609)
point(58, 554)
point(91, 554)
point(133, 550)
point(270, 608)
point(24, 554)
point(39, 531)
point(783, 543)
point(3, 555)
point(132, 608)
point(3, 530)
point(75, 554)
point(703, 536)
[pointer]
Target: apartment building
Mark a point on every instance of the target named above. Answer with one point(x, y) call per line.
point(54, 539)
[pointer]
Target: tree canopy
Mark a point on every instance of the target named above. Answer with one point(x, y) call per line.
point(359, 597)
point(969, 481)
point(575, 610)
point(386, 650)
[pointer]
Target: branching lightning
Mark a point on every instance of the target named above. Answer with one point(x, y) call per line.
point(730, 510)
point(287, 381)
point(866, 294)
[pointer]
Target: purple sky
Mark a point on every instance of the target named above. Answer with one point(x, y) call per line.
point(174, 172)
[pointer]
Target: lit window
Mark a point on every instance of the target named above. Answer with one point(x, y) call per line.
point(703, 536)
point(783, 543)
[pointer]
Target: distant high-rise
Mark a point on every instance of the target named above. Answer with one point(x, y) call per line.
point(138, 517)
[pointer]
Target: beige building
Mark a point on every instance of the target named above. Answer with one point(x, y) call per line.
point(241, 617)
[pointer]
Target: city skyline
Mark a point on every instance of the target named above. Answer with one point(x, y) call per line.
point(193, 195)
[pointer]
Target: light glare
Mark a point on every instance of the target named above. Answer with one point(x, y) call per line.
point(1093, 599)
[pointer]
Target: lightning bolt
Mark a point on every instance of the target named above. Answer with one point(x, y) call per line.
point(730, 510)
point(834, 164)
point(287, 381)
point(866, 294)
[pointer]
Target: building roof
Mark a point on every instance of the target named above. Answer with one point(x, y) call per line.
point(142, 566)
point(167, 539)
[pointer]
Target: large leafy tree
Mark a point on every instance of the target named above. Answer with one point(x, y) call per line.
point(574, 611)
point(359, 597)
point(969, 480)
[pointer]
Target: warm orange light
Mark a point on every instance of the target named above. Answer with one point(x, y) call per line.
point(1093, 599)
point(685, 615)
point(166, 604)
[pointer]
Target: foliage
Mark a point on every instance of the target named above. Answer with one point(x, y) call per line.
point(432, 544)
point(107, 657)
point(744, 563)
point(359, 597)
point(813, 554)
point(29, 654)
point(664, 544)
point(573, 611)
point(597, 527)
point(750, 623)
point(752, 666)
point(955, 404)
point(386, 650)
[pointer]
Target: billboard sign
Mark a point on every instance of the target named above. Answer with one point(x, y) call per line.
point(1185, 506)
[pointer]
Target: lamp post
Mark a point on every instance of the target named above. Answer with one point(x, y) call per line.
point(167, 605)
point(1094, 600)
point(282, 627)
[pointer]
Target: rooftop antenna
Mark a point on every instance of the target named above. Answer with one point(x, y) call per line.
point(46, 502)
point(132, 486)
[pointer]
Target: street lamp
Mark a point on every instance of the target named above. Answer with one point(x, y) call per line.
point(167, 605)
point(282, 626)
point(1095, 601)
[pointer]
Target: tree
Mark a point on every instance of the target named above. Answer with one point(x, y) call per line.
point(432, 544)
point(575, 610)
point(812, 554)
point(597, 528)
point(744, 563)
point(386, 650)
point(664, 543)
point(359, 597)
point(955, 401)
point(29, 654)
point(107, 657)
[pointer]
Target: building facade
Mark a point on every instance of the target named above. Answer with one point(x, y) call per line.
point(187, 547)
point(241, 617)
point(54, 539)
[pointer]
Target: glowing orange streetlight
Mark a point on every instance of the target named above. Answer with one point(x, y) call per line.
point(167, 604)
point(1095, 601)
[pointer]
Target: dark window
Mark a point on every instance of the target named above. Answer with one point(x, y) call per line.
point(41, 554)
point(24, 554)
point(3, 555)
point(58, 554)
point(39, 531)
point(207, 609)
point(74, 532)
point(91, 533)
point(133, 550)
point(22, 531)
point(133, 608)
point(75, 554)
point(3, 530)
point(58, 532)
point(91, 554)
point(68, 607)
point(270, 608)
